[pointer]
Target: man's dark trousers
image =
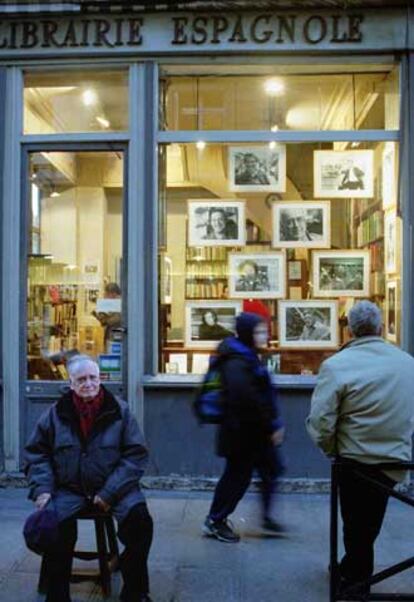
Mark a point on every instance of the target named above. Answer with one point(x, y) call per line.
point(135, 532)
point(363, 509)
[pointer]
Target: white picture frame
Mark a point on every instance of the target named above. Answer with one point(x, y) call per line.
point(166, 280)
point(389, 176)
point(343, 174)
point(223, 324)
point(216, 222)
point(391, 310)
point(257, 168)
point(390, 242)
point(301, 223)
point(343, 273)
point(309, 324)
point(257, 275)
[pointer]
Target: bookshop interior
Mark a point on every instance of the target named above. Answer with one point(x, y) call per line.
point(297, 231)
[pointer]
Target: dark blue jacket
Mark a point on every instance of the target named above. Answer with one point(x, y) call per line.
point(109, 463)
point(251, 411)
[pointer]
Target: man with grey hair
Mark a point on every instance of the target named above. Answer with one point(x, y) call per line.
point(87, 453)
point(362, 411)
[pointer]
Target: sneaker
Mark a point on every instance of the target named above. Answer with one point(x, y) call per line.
point(221, 530)
point(269, 524)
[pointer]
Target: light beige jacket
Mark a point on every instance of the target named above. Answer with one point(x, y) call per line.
point(363, 404)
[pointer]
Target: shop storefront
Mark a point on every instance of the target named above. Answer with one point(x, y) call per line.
point(161, 171)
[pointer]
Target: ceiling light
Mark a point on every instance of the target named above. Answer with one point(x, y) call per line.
point(89, 97)
point(103, 122)
point(274, 87)
point(274, 128)
point(201, 145)
point(355, 144)
point(272, 145)
point(54, 194)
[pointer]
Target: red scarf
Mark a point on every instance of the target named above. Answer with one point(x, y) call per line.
point(87, 411)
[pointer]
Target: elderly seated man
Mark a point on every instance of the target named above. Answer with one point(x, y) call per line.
point(87, 451)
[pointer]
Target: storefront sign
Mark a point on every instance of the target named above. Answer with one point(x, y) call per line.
point(172, 33)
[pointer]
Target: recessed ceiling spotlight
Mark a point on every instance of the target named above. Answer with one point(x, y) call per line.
point(274, 87)
point(201, 145)
point(274, 128)
point(89, 97)
point(272, 145)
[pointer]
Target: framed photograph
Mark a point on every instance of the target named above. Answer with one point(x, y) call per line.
point(341, 273)
point(208, 322)
point(257, 275)
point(344, 174)
point(390, 236)
point(257, 168)
point(166, 280)
point(305, 224)
point(213, 223)
point(295, 270)
point(389, 176)
point(310, 324)
point(391, 305)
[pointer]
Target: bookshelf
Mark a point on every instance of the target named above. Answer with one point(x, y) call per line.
point(369, 228)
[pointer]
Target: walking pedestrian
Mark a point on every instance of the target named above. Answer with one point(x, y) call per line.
point(251, 431)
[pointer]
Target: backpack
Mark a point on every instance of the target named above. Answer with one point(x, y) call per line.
point(208, 405)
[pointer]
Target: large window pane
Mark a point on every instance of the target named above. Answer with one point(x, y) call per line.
point(75, 101)
point(296, 232)
point(74, 262)
point(306, 99)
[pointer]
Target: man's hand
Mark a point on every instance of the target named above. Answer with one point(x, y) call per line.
point(101, 503)
point(42, 500)
point(278, 436)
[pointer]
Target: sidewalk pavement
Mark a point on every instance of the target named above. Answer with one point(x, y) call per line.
point(186, 567)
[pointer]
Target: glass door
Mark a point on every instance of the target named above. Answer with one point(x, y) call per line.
point(76, 283)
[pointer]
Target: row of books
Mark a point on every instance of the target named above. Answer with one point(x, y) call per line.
point(206, 290)
point(206, 253)
point(377, 256)
point(207, 270)
point(377, 284)
point(370, 229)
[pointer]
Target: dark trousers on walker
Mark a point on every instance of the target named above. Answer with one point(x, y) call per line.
point(236, 479)
point(135, 532)
point(363, 509)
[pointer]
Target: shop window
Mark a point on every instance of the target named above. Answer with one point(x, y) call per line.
point(75, 288)
point(295, 232)
point(75, 101)
point(342, 97)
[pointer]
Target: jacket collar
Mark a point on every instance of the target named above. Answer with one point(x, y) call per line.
point(109, 412)
point(357, 342)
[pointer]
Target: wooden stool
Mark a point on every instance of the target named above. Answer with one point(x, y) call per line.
point(107, 554)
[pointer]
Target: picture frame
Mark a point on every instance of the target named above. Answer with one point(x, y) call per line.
point(310, 324)
point(389, 177)
point(344, 273)
point(166, 280)
point(257, 275)
point(301, 223)
point(343, 174)
point(216, 222)
point(208, 322)
point(391, 311)
point(257, 168)
point(390, 242)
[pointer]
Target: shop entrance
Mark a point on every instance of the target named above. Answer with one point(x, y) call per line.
point(75, 272)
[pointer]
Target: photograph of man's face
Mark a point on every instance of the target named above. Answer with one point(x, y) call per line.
point(218, 223)
point(307, 223)
point(255, 168)
point(212, 221)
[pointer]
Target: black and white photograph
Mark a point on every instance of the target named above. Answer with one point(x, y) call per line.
point(389, 176)
point(166, 280)
point(390, 229)
point(391, 301)
point(304, 223)
point(341, 273)
point(208, 322)
point(214, 223)
point(310, 324)
point(344, 174)
point(257, 168)
point(257, 275)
